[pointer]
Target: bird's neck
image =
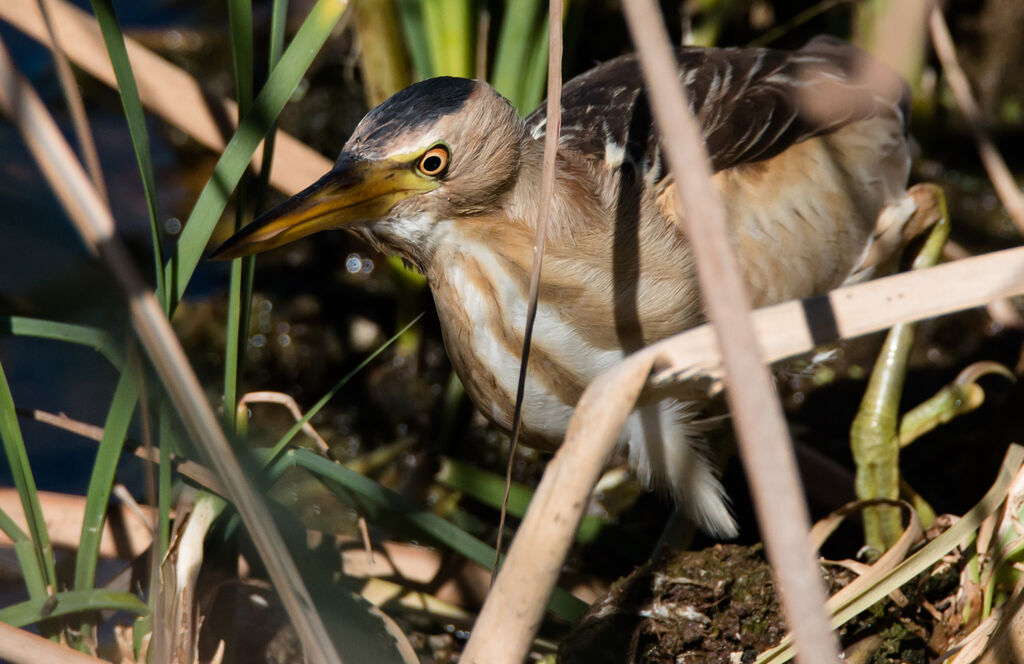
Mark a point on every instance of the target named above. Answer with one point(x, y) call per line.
point(574, 202)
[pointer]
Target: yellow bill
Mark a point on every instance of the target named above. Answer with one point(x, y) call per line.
point(354, 191)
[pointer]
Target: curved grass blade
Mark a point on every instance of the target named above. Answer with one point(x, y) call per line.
point(93, 337)
point(129, 92)
point(489, 489)
point(70, 602)
point(381, 505)
point(291, 433)
point(17, 460)
point(257, 122)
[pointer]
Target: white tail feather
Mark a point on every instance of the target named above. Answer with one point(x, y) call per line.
point(667, 452)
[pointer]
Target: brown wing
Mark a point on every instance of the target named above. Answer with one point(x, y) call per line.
point(751, 103)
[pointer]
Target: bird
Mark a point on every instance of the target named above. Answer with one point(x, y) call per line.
point(807, 147)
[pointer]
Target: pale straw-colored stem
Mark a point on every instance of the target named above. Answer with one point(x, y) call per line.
point(76, 107)
point(764, 443)
point(95, 225)
point(20, 647)
point(1006, 187)
point(164, 89)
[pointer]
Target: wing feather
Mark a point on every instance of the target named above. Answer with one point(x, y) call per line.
point(751, 103)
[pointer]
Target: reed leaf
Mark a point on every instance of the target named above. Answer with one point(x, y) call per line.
point(236, 156)
point(129, 92)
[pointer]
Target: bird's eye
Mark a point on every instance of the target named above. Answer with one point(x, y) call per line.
point(434, 161)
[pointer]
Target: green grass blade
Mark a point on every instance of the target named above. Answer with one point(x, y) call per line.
point(450, 34)
point(291, 433)
point(26, 554)
point(126, 87)
point(381, 505)
point(12, 529)
point(240, 18)
point(243, 271)
point(489, 489)
point(70, 602)
point(535, 81)
point(17, 460)
point(515, 43)
point(410, 15)
point(93, 337)
point(108, 454)
point(232, 163)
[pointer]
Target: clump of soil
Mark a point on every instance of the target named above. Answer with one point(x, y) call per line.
point(717, 605)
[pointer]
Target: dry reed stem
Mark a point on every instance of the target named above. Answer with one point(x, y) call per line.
point(20, 647)
point(125, 536)
point(76, 106)
point(764, 443)
point(165, 89)
point(795, 327)
point(94, 223)
point(1006, 187)
point(1002, 312)
point(515, 607)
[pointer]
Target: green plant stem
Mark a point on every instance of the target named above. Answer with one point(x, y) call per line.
point(240, 18)
point(382, 54)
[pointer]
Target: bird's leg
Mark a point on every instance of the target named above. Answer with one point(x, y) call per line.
point(873, 435)
point(958, 398)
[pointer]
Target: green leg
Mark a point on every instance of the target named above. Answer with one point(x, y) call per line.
point(873, 435)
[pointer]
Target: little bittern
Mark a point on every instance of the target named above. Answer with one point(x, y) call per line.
point(807, 146)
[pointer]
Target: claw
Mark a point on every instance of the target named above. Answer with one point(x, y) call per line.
point(972, 373)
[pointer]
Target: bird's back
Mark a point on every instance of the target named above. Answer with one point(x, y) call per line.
point(752, 103)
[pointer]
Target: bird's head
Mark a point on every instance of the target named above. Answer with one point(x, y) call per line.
point(445, 148)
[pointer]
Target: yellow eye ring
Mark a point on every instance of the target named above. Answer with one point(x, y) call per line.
point(434, 161)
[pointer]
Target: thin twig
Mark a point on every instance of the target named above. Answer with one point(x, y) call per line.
point(554, 127)
point(62, 421)
point(197, 473)
point(1006, 187)
point(765, 446)
point(282, 399)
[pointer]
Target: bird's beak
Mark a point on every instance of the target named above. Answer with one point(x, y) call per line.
point(355, 190)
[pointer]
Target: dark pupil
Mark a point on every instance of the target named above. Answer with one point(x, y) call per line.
point(432, 163)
